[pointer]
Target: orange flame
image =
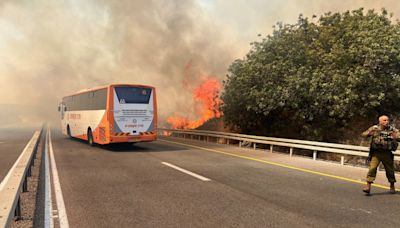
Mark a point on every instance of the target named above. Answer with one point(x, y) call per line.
point(208, 103)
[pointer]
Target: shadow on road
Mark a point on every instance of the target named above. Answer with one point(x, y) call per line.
point(381, 193)
point(134, 147)
point(141, 147)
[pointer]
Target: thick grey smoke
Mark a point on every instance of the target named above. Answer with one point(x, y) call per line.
point(51, 48)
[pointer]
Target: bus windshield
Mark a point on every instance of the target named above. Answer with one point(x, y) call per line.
point(133, 95)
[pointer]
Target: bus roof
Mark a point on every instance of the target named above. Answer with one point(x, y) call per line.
point(106, 86)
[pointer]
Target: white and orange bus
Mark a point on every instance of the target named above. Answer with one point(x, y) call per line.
point(115, 113)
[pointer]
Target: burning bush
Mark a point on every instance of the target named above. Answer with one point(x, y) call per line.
point(207, 105)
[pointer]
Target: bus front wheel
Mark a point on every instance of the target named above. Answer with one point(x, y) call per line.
point(90, 137)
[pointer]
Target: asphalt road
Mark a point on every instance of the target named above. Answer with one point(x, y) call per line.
point(12, 143)
point(129, 186)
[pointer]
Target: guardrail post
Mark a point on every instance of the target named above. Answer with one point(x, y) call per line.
point(33, 158)
point(315, 155)
point(240, 143)
point(227, 141)
point(255, 145)
point(25, 184)
point(342, 160)
point(207, 139)
point(291, 152)
point(17, 213)
point(271, 148)
point(29, 171)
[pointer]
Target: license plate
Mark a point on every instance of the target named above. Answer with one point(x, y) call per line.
point(134, 140)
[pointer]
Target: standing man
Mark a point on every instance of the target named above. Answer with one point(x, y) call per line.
point(383, 142)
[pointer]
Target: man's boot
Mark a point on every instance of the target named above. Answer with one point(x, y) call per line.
point(367, 188)
point(392, 188)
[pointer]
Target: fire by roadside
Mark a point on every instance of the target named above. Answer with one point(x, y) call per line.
point(207, 105)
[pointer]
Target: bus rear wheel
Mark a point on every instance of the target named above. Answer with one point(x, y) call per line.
point(90, 137)
point(69, 132)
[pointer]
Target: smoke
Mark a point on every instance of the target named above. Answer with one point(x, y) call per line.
point(258, 16)
point(50, 48)
point(53, 48)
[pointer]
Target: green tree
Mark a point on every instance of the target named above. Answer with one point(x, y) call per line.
point(316, 80)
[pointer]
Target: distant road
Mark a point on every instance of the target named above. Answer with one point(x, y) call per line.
point(12, 143)
point(155, 185)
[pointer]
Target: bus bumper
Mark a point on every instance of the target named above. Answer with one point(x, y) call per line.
point(133, 138)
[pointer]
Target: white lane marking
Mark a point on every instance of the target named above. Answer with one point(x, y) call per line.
point(186, 171)
point(62, 213)
point(1, 142)
point(4, 181)
point(48, 221)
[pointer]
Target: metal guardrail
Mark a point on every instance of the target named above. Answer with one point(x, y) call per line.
point(316, 147)
point(16, 182)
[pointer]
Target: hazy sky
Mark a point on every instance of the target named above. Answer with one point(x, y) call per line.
point(51, 48)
